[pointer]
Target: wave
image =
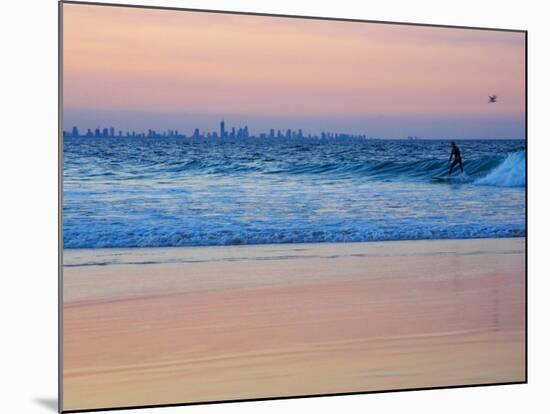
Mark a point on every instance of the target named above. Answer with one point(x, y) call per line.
point(150, 238)
point(509, 173)
point(485, 170)
point(484, 163)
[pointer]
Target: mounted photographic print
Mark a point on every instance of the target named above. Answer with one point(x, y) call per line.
point(263, 206)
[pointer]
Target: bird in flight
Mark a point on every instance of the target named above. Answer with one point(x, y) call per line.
point(492, 98)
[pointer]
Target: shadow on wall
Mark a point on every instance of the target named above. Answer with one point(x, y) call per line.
point(49, 403)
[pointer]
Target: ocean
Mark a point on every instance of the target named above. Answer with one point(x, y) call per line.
point(153, 192)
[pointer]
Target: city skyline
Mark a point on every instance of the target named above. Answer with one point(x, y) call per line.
point(241, 130)
point(138, 69)
point(383, 127)
point(231, 132)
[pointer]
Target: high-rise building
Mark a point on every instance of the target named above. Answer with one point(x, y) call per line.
point(111, 132)
point(74, 132)
point(222, 129)
point(271, 133)
point(196, 133)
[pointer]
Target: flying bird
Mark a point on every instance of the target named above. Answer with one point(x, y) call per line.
point(492, 98)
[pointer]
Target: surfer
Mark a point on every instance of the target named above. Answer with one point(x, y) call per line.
point(455, 152)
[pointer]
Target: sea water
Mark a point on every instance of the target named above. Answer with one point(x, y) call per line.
point(148, 192)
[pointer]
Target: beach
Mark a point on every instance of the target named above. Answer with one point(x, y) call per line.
point(146, 326)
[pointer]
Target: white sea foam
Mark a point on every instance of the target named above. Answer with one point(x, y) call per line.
point(509, 173)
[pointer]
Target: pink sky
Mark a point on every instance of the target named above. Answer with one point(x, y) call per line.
point(162, 64)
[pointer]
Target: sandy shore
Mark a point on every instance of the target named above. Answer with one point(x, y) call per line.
point(177, 325)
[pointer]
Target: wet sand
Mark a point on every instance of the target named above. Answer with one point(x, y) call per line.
point(179, 325)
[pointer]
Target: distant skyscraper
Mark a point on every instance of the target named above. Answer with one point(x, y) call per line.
point(271, 133)
point(74, 132)
point(112, 132)
point(222, 129)
point(196, 133)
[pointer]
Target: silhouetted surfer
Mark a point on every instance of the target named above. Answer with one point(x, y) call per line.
point(455, 152)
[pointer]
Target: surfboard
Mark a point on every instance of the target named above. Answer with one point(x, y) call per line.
point(456, 179)
point(441, 178)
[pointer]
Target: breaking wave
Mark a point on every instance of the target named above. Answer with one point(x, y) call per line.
point(509, 173)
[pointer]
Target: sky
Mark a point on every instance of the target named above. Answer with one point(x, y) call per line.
point(163, 69)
